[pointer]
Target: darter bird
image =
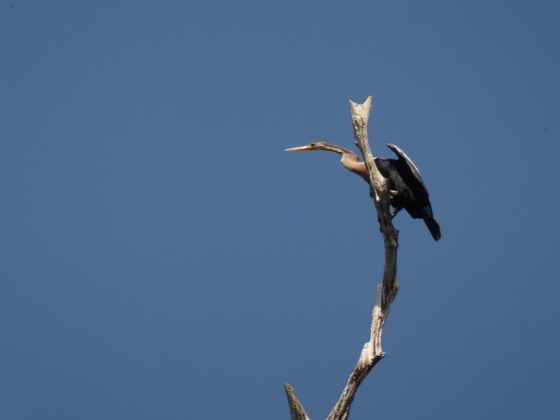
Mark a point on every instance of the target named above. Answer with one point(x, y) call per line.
point(408, 190)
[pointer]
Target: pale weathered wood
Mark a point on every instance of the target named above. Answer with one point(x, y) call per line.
point(372, 351)
point(296, 409)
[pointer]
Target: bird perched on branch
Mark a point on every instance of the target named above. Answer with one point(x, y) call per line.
point(407, 188)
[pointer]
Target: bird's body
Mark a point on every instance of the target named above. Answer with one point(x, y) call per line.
point(405, 182)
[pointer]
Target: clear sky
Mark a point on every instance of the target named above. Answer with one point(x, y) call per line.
point(163, 258)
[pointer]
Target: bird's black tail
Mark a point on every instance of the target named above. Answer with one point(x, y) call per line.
point(433, 227)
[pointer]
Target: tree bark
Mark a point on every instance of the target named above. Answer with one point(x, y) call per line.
point(372, 351)
point(296, 409)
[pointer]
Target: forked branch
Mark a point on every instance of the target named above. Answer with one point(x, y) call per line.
point(372, 351)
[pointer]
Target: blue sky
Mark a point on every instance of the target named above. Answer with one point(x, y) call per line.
point(162, 257)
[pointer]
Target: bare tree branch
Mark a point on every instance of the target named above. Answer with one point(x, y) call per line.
point(296, 409)
point(372, 351)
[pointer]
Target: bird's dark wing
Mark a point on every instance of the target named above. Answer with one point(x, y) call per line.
point(412, 194)
point(405, 159)
point(420, 203)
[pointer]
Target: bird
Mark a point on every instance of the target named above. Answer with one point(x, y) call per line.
point(406, 187)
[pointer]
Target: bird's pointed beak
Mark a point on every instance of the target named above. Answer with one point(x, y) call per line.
point(299, 149)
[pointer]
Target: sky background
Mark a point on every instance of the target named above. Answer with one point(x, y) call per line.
point(163, 258)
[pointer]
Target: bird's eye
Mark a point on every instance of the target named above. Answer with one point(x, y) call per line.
point(312, 144)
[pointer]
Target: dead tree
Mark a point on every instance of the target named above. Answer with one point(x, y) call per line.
point(372, 351)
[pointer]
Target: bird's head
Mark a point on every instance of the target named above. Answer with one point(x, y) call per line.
point(318, 145)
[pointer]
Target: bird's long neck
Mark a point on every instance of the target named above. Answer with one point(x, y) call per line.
point(351, 162)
